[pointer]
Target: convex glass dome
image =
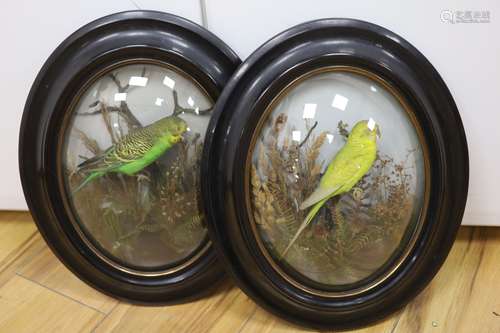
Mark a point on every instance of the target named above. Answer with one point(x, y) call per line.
point(110, 153)
point(132, 152)
point(337, 177)
point(336, 173)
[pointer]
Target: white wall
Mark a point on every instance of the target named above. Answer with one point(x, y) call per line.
point(466, 55)
point(31, 30)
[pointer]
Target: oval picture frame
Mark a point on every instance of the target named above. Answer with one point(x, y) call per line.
point(145, 37)
point(365, 49)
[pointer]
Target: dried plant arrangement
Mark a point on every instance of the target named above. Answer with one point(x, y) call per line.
point(149, 218)
point(353, 234)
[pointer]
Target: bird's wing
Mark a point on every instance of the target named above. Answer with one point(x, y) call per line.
point(132, 147)
point(319, 194)
point(340, 172)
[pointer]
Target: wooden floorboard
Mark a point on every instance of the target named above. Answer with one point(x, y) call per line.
point(29, 307)
point(15, 230)
point(45, 269)
point(38, 294)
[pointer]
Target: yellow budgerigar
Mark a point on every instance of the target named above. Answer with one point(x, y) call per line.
point(346, 169)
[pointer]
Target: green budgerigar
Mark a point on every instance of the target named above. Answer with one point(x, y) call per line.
point(346, 169)
point(134, 151)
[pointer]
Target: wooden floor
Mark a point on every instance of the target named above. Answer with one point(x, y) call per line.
point(38, 294)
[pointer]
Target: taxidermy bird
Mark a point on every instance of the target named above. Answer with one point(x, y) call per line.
point(134, 151)
point(346, 169)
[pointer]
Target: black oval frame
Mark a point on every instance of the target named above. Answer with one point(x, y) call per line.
point(258, 80)
point(97, 45)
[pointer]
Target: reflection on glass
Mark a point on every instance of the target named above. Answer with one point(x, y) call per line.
point(131, 159)
point(337, 178)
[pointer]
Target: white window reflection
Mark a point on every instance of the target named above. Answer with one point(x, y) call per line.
point(309, 110)
point(340, 102)
point(138, 81)
point(372, 88)
point(296, 136)
point(371, 124)
point(329, 137)
point(159, 101)
point(120, 97)
point(169, 82)
point(190, 101)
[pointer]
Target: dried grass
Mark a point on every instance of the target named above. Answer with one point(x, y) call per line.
point(156, 210)
point(376, 211)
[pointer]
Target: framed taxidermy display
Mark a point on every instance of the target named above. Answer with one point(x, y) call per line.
point(335, 173)
point(110, 149)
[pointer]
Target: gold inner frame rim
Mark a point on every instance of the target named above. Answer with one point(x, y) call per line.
point(423, 212)
point(61, 182)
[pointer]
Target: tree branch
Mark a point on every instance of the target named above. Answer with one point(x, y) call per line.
point(308, 134)
point(179, 109)
point(107, 123)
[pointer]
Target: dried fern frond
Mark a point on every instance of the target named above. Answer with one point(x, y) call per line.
point(314, 150)
point(262, 160)
point(89, 143)
point(279, 124)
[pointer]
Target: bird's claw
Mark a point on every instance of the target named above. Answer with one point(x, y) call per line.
point(141, 177)
point(357, 193)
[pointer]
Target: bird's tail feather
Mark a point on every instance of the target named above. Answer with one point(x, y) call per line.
point(87, 180)
point(90, 162)
point(312, 213)
point(96, 162)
